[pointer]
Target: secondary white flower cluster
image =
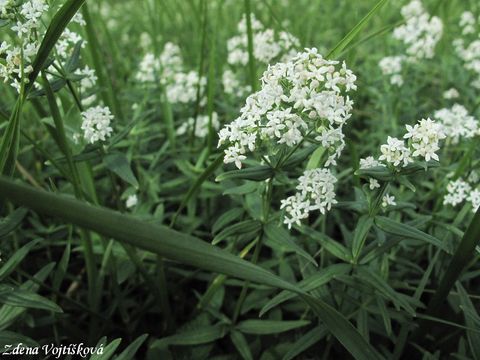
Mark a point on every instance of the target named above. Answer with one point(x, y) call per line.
point(469, 49)
point(18, 58)
point(269, 47)
point(268, 44)
point(457, 123)
point(201, 125)
point(392, 66)
point(420, 32)
point(306, 95)
point(315, 191)
point(169, 70)
point(460, 190)
point(87, 83)
point(421, 140)
point(450, 94)
point(28, 26)
point(96, 124)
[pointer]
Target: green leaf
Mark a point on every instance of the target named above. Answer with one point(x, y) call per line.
point(131, 350)
point(226, 218)
point(8, 314)
point(362, 230)
point(56, 85)
point(158, 239)
point(243, 227)
point(378, 283)
point(354, 32)
point(27, 299)
point(73, 61)
point(119, 164)
point(320, 278)
point(343, 330)
point(381, 173)
point(13, 339)
point(333, 247)
point(255, 173)
point(243, 189)
point(264, 327)
point(12, 221)
point(305, 341)
point(406, 231)
point(206, 335)
point(198, 183)
point(16, 259)
point(241, 345)
point(279, 237)
point(472, 320)
point(108, 351)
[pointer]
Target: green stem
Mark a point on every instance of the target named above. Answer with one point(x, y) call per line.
point(251, 58)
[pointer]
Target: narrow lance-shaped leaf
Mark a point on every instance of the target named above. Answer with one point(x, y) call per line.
point(155, 238)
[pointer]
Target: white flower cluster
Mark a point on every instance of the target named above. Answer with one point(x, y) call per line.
point(468, 23)
point(181, 85)
point(392, 66)
point(460, 190)
point(303, 96)
point(29, 29)
point(18, 58)
point(423, 139)
point(420, 32)
point(184, 87)
point(316, 191)
point(457, 123)
point(233, 86)
point(268, 44)
point(450, 94)
point(162, 68)
point(87, 83)
point(269, 47)
point(369, 162)
point(96, 124)
point(470, 54)
point(201, 125)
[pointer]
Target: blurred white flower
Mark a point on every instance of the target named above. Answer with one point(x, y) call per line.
point(451, 93)
point(132, 201)
point(373, 184)
point(457, 191)
point(420, 31)
point(201, 125)
point(457, 123)
point(392, 66)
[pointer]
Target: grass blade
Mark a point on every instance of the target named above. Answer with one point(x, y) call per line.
point(354, 32)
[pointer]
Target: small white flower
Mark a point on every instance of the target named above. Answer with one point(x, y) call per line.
point(451, 93)
point(373, 184)
point(388, 200)
point(132, 201)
